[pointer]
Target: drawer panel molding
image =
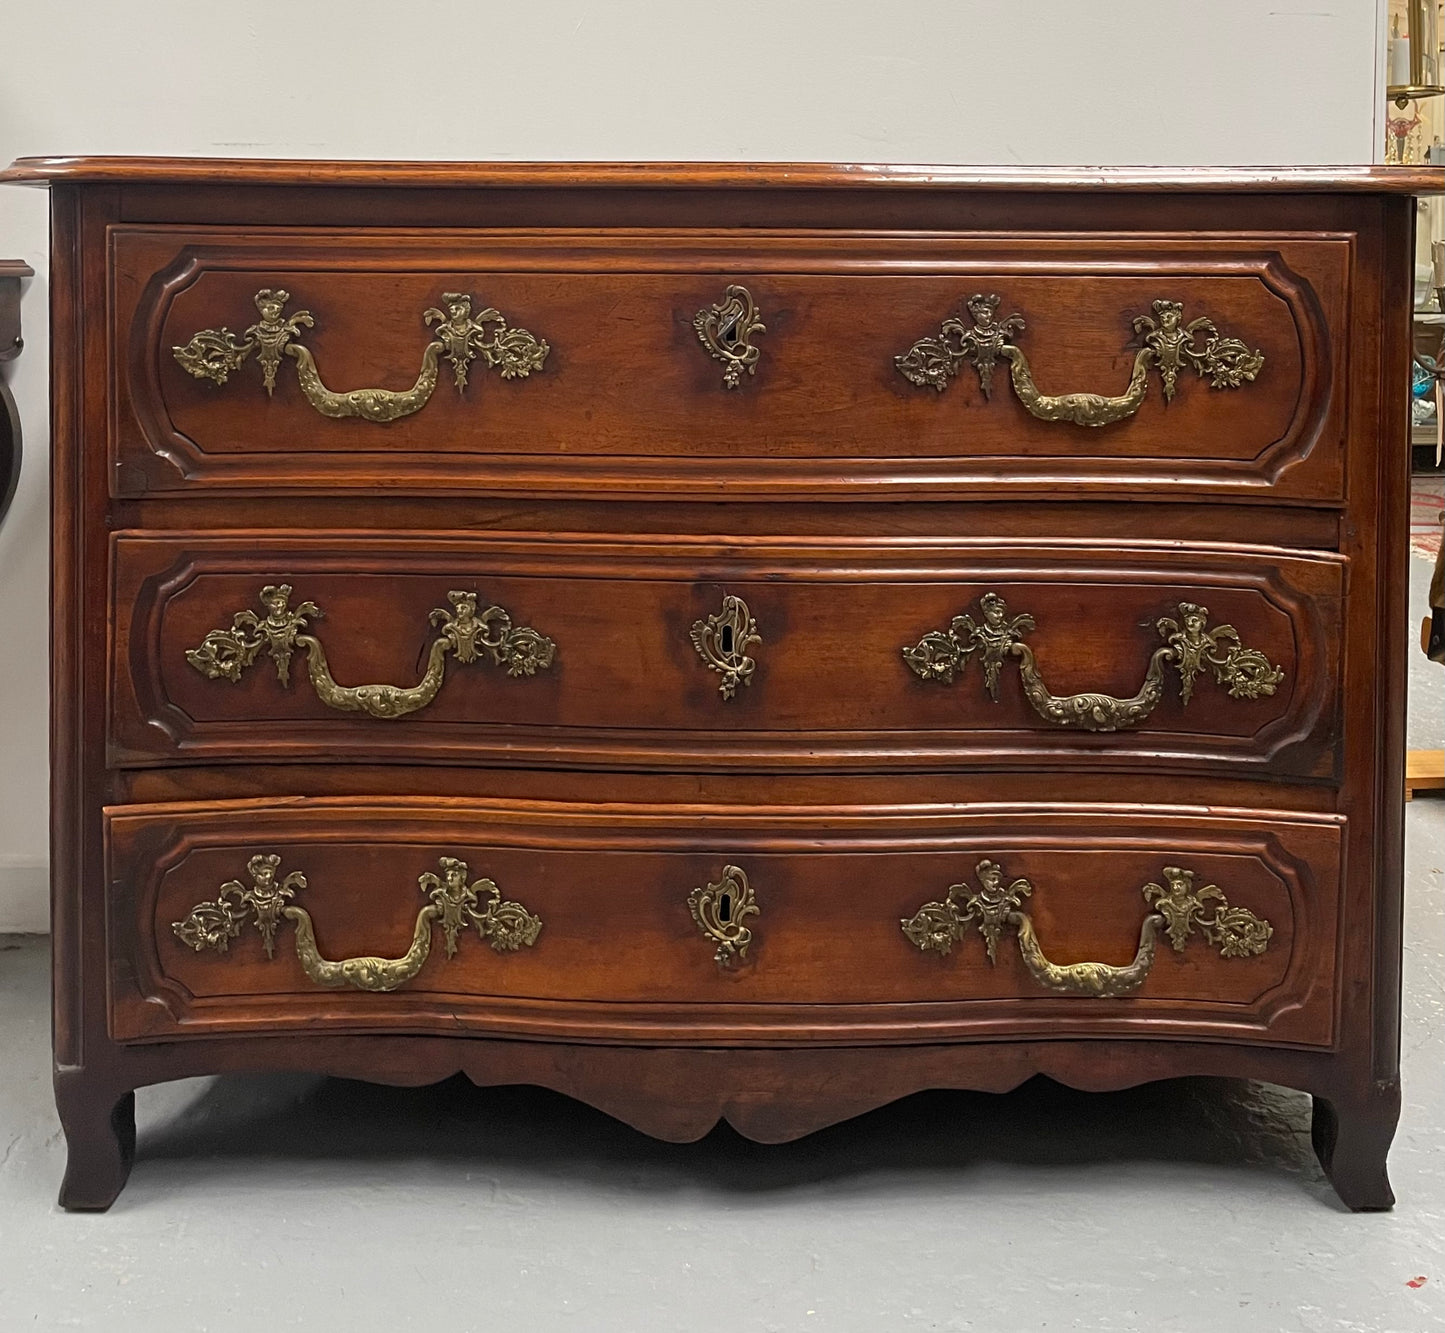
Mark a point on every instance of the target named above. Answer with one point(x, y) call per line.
point(686, 687)
point(647, 330)
point(791, 935)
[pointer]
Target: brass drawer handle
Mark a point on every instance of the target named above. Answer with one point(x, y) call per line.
point(727, 329)
point(460, 337)
point(1190, 647)
point(505, 925)
point(723, 640)
point(466, 634)
point(720, 909)
point(1169, 345)
point(1177, 910)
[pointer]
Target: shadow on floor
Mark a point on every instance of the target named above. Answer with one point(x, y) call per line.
point(255, 1122)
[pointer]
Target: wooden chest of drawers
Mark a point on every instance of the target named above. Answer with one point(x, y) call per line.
point(740, 643)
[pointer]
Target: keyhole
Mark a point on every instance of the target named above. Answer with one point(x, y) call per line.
point(727, 640)
point(725, 909)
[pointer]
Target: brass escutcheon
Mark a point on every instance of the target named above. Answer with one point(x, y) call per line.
point(720, 909)
point(722, 641)
point(727, 329)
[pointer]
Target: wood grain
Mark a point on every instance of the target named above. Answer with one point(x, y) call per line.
point(846, 793)
point(621, 959)
point(1344, 179)
point(831, 688)
point(629, 402)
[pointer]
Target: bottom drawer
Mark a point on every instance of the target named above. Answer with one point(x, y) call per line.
point(721, 926)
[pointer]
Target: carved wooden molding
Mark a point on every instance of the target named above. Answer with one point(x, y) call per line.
point(166, 443)
point(159, 719)
point(1287, 868)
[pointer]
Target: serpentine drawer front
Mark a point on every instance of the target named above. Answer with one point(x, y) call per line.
point(548, 920)
point(592, 652)
point(743, 643)
point(701, 362)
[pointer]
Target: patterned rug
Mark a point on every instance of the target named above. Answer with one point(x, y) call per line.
point(1427, 510)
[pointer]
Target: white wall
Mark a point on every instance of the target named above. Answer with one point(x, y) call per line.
point(1025, 81)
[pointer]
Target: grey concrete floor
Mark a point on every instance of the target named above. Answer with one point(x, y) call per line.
point(295, 1202)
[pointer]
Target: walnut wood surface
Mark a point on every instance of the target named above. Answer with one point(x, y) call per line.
point(730, 176)
point(628, 399)
point(831, 687)
point(1306, 545)
point(620, 959)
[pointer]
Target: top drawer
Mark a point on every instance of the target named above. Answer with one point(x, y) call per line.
point(759, 364)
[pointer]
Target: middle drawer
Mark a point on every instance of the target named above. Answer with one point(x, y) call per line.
point(674, 653)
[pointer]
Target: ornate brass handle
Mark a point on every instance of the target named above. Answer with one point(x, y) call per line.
point(1190, 646)
point(1177, 910)
point(465, 634)
point(457, 904)
point(459, 336)
point(367, 972)
point(1169, 345)
point(720, 909)
point(727, 329)
point(723, 640)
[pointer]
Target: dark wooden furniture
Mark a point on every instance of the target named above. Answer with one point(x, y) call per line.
point(814, 612)
point(11, 272)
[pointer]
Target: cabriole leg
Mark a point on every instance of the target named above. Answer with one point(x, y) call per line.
point(1352, 1139)
point(99, 1125)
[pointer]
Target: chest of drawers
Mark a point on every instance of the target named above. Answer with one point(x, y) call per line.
point(738, 643)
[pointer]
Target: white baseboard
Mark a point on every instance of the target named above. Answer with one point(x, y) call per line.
point(24, 896)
